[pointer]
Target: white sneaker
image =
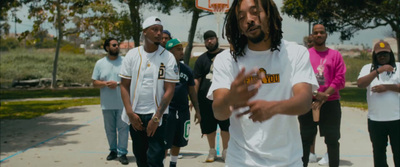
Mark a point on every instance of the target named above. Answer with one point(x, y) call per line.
point(224, 155)
point(324, 161)
point(312, 158)
point(212, 154)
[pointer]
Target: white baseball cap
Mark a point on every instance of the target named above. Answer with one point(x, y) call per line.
point(152, 20)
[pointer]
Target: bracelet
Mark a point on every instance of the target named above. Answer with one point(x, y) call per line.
point(377, 71)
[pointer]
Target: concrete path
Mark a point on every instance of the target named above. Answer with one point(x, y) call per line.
point(76, 137)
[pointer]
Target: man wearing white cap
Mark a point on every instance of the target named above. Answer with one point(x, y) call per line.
point(148, 77)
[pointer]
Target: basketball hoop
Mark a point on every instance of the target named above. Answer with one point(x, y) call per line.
point(218, 7)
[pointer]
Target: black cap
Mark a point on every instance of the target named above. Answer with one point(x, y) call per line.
point(209, 34)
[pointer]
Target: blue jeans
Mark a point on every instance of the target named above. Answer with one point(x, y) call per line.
point(112, 124)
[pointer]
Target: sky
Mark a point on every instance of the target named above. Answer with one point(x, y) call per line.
point(179, 23)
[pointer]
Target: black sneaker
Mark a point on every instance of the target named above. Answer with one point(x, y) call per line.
point(172, 164)
point(123, 160)
point(112, 155)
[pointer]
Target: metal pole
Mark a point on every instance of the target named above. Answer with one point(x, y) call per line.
point(14, 13)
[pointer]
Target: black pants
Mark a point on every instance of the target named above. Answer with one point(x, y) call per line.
point(329, 126)
point(149, 151)
point(379, 133)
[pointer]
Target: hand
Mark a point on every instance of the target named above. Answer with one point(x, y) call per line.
point(378, 89)
point(151, 128)
point(111, 84)
point(261, 110)
point(316, 105)
point(242, 90)
point(190, 105)
point(384, 68)
point(197, 118)
point(322, 96)
point(136, 122)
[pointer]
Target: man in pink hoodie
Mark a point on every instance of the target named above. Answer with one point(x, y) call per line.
point(330, 71)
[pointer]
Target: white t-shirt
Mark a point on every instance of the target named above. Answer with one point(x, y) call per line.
point(383, 106)
point(134, 67)
point(274, 142)
point(107, 70)
point(145, 103)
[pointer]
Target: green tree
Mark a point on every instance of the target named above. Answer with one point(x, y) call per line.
point(5, 6)
point(347, 17)
point(189, 6)
point(58, 12)
point(164, 6)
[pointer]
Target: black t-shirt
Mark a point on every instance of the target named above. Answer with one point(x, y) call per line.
point(202, 70)
point(180, 100)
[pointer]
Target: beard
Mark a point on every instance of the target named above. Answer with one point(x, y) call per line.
point(317, 43)
point(213, 48)
point(258, 38)
point(114, 53)
point(157, 43)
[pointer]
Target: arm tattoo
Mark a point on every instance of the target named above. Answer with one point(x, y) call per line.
point(163, 106)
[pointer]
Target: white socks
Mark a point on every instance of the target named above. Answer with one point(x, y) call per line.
point(174, 158)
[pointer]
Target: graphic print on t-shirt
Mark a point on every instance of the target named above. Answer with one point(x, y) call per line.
point(161, 72)
point(269, 78)
point(210, 74)
point(320, 74)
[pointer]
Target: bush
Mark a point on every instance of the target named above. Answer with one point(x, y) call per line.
point(32, 63)
point(7, 44)
point(72, 49)
point(192, 61)
point(48, 43)
point(354, 66)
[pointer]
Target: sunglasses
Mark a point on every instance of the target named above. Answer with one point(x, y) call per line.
point(383, 54)
point(114, 45)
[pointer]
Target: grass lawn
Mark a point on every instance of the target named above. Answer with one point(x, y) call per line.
point(32, 109)
point(350, 97)
point(42, 93)
point(354, 97)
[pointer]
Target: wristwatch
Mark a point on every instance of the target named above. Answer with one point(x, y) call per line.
point(155, 119)
point(315, 93)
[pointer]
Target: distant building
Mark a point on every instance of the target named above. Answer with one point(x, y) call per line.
point(347, 50)
point(125, 46)
point(199, 48)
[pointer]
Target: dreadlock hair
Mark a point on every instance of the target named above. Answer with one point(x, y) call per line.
point(238, 41)
point(375, 64)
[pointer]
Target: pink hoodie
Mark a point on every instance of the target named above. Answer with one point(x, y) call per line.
point(331, 66)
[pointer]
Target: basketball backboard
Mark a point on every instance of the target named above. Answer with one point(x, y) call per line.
point(207, 4)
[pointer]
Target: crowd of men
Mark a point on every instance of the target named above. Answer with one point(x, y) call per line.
point(268, 96)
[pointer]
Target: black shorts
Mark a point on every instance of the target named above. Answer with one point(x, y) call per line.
point(178, 127)
point(329, 121)
point(208, 123)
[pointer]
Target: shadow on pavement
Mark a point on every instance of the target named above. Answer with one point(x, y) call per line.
point(17, 135)
point(345, 163)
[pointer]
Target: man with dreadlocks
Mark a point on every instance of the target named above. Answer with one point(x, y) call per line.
point(382, 80)
point(262, 103)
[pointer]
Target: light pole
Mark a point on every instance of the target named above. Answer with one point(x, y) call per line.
point(14, 13)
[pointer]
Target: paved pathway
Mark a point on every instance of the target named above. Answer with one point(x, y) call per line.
point(75, 137)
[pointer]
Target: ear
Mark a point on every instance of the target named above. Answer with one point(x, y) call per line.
point(144, 31)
